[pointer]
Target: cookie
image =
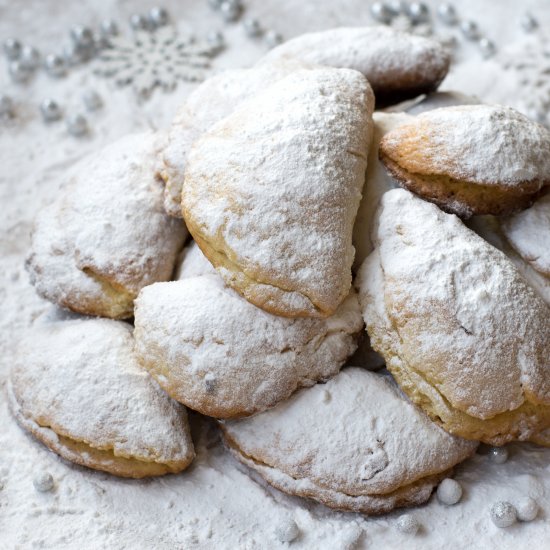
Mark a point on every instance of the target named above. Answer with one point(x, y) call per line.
point(193, 263)
point(222, 356)
point(271, 192)
point(106, 235)
point(354, 443)
point(397, 65)
point(435, 100)
point(212, 101)
point(472, 159)
point(77, 387)
point(465, 336)
point(529, 233)
point(377, 182)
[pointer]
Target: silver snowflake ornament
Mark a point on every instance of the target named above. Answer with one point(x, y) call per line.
point(155, 59)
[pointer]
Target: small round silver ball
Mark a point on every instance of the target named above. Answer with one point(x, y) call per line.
point(50, 109)
point(498, 455)
point(82, 36)
point(139, 22)
point(449, 492)
point(487, 48)
point(12, 48)
point(381, 12)
point(55, 65)
point(418, 12)
point(503, 514)
point(158, 17)
point(215, 39)
point(527, 509)
point(230, 11)
point(252, 28)
point(43, 482)
point(6, 106)
point(92, 100)
point(408, 524)
point(109, 28)
point(447, 14)
point(470, 30)
point(528, 23)
point(397, 7)
point(273, 38)
point(18, 72)
point(77, 125)
point(287, 531)
point(30, 58)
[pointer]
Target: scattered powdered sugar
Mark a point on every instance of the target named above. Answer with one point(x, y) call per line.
point(220, 355)
point(484, 144)
point(529, 233)
point(275, 186)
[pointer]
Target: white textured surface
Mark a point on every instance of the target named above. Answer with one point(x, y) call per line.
point(214, 504)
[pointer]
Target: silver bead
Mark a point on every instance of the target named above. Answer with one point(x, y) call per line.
point(158, 17)
point(273, 38)
point(215, 4)
point(30, 58)
point(216, 39)
point(487, 48)
point(397, 7)
point(503, 514)
point(82, 36)
point(6, 106)
point(381, 12)
point(230, 11)
point(470, 30)
point(287, 531)
point(77, 125)
point(50, 110)
point(252, 28)
point(528, 23)
point(139, 22)
point(449, 492)
point(92, 100)
point(447, 14)
point(109, 28)
point(18, 72)
point(527, 509)
point(498, 455)
point(55, 65)
point(12, 48)
point(408, 524)
point(43, 482)
point(418, 12)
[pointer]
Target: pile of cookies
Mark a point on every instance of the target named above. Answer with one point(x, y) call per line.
point(312, 216)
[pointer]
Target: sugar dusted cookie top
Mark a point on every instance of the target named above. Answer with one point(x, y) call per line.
point(79, 380)
point(398, 65)
point(355, 436)
point(272, 191)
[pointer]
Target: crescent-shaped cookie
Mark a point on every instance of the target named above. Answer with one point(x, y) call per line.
point(78, 388)
point(354, 443)
point(212, 101)
point(272, 191)
point(471, 159)
point(398, 65)
point(465, 336)
point(107, 235)
point(529, 233)
point(218, 354)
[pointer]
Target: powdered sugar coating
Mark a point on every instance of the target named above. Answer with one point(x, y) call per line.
point(106, 236)
point(217, 353)
point(529, 233)
point(80, 378)
point(272, 191)
point(454, 314)
point(366, 439)
point(193, 263)
point(484, 144)
point(213, 100)
point(397, 64)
